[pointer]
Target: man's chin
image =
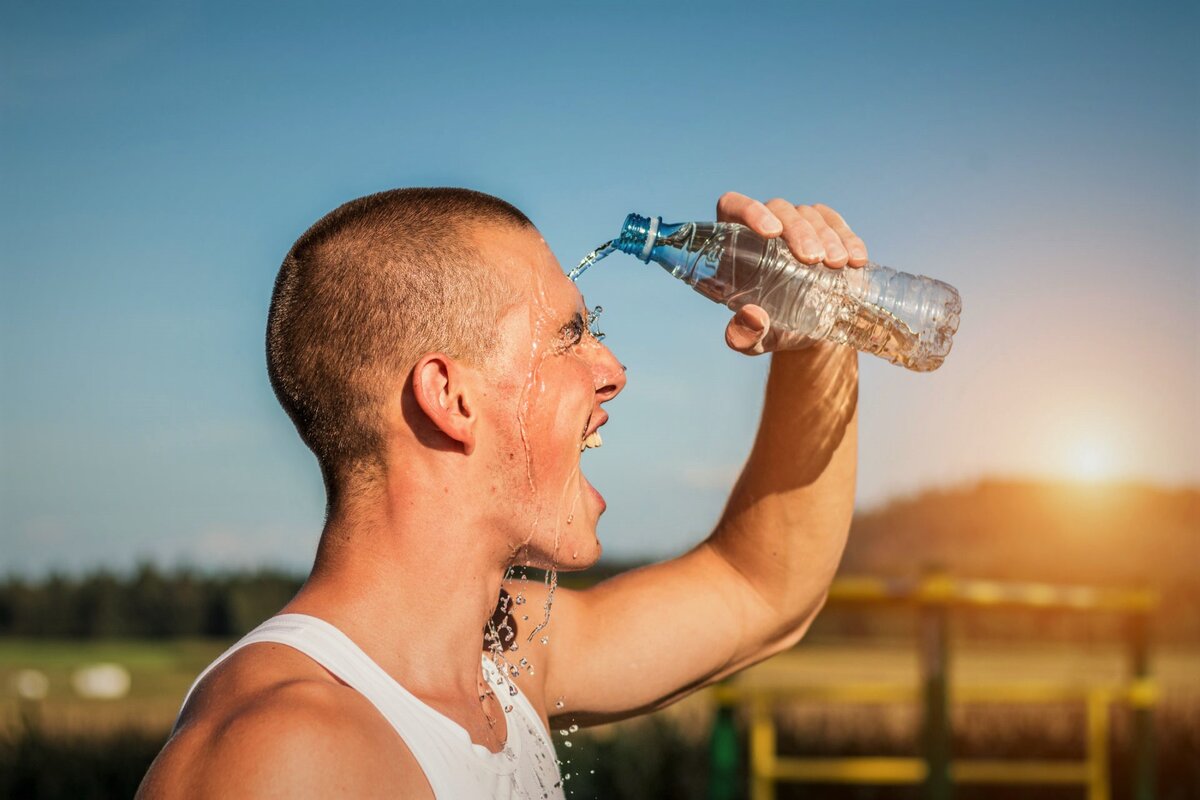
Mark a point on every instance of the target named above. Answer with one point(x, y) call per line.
point(581, 560)
point(570, 557)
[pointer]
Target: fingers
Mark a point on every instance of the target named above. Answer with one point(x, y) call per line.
point(835, 253)
point(801, 237)
point(813, 233)
point(855, 246)
point(737, 207)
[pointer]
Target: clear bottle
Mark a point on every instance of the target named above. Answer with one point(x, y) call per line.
point(909, 320)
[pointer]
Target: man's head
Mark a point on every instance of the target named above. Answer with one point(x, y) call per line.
point(433, 329)
point(362, 295)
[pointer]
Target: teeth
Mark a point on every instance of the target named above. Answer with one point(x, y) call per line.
point(592, 440)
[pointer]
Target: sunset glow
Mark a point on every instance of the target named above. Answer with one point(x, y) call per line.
point(1091, 460)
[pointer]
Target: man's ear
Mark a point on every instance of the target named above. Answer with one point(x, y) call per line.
point(443, 391)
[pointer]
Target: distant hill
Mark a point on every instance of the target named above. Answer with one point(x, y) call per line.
point(1036, 530)
point(1070, 533)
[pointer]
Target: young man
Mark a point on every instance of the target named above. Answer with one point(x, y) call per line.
point(438, 363)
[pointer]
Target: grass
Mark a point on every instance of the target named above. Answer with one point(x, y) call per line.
point(160, 671)
point(97, 748)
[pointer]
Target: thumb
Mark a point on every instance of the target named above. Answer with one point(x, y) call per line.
point(747, 330)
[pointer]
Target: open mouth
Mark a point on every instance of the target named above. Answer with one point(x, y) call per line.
point(592, 439)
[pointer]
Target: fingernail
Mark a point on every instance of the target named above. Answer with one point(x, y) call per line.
point(813, 249)
point(772, 225)
point(858, 252)
point(835, 253)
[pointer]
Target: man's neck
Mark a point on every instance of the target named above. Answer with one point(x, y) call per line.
point(414, 593)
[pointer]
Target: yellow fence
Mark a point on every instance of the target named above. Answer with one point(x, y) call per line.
point(936, 770)
point(767, 767)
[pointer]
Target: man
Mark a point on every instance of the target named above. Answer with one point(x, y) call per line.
point(438, 363)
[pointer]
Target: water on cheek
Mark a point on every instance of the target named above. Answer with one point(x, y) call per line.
point(533, 390)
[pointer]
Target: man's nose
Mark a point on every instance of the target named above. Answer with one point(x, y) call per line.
point(610, 374)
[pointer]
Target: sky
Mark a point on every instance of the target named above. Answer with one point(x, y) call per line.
point(158, 159)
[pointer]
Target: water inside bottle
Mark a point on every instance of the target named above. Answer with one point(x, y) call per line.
point(591, 258)
point(874, 329)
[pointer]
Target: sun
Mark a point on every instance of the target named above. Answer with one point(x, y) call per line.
point(1091, 460)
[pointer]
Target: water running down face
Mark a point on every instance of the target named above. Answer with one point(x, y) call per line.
point(550, 376)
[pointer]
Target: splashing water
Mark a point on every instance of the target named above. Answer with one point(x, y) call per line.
point(591, 258)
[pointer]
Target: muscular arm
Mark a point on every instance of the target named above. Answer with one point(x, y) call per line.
point(648, 637)
point(651, 636)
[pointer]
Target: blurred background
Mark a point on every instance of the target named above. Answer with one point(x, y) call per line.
point(1020, 592)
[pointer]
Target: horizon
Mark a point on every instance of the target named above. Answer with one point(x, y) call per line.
point(608, 560)
point(159, 161)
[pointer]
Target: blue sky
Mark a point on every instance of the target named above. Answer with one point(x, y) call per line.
point(158, 159)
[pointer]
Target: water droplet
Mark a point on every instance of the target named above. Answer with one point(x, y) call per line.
point(519, 599)
point(545, 640)
point(573, 728)
point(559, 703)
point(525, 618)
point(508, 709)
point(569, 743)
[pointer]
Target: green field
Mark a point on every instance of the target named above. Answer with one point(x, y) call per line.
point(161, 672)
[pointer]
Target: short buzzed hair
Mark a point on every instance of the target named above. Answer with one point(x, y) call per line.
point(362, 295)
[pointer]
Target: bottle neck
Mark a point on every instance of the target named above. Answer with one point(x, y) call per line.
point(642, 236)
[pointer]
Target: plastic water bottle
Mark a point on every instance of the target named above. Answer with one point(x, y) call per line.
point(909, 320)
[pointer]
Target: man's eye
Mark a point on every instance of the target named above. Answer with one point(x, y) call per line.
point(572, 332)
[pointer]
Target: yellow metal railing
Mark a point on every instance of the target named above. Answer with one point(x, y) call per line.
point(936, 770)
point(767, 767)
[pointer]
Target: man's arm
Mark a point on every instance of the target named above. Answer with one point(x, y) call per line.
point(651, 636)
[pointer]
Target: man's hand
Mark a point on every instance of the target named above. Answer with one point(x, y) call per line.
point(813, 233)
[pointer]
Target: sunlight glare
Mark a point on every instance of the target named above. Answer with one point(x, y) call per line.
point(1091, 461)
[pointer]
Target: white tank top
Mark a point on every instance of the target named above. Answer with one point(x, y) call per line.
point(457, 768)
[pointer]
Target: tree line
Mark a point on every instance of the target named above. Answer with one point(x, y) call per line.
point(147, 603)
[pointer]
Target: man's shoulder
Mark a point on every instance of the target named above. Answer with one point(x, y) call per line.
point(270, 721)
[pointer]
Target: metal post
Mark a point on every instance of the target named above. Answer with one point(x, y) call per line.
point(1097, 745)
point(1143, 708)
point(934, 657)
point(723, 756)
point(762, 750)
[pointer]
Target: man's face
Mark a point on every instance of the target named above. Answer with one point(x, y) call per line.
point(549, 376)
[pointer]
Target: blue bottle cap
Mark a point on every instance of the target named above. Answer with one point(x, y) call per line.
point(638, 236)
